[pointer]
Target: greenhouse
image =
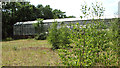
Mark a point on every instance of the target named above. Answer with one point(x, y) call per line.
point(27, 28)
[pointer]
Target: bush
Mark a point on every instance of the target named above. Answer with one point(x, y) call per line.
point(58, 37)
point(53, 35)
point(92, 46)
point(97, 44)
point(64, 32)
point(8, 39)
point(39, 28)
point(41, 36)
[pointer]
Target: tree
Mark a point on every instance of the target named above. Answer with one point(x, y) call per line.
point(13, 12)
point(47, 12)
point(28, 12)
point(8, 18)
point(59, 14)
point(39, 11)
point(96, 10)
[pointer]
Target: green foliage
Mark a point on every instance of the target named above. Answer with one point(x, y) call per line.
point(64, 32)
point(58, 36)
point(95, 10)
point(93, 44)
point(41, 36)
point(39, 28)
point(59, 14)
point(9, 39)
point(53, 35)
point(11, 13)
point(115, 36)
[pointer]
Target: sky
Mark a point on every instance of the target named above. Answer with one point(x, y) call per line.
point(72, 7)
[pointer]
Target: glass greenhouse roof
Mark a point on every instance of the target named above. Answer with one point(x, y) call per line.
point(65, 20)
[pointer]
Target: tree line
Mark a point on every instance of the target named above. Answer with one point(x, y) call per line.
point(13, 12)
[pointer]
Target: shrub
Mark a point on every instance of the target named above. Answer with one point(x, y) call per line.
point(8, 39)
point(53, 35)
point(58, 37)
point(64, 32)
point(114, 36)
point(41, 36)
point(90, 48)
point(94, 44)
point(39, 28)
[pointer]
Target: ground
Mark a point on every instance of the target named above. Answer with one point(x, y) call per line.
point(28, 52)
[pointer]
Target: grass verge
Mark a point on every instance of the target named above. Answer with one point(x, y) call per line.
point(28, 52)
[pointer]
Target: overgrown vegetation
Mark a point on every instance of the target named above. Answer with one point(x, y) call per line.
point(39, 30)
point(58, 36)
point(41, 36)
point(93, 44)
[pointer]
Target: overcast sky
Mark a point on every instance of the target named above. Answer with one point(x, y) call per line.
point(72, 7)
